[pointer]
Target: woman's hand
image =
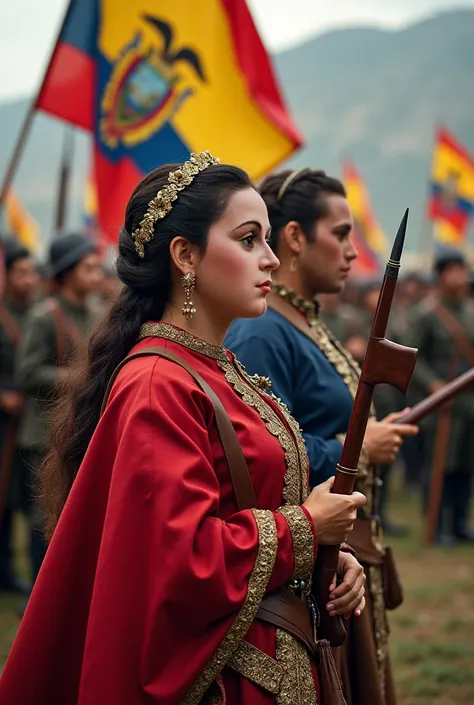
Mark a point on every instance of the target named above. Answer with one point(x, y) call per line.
point(333, 515)
point(348, 598)
point(384, 438)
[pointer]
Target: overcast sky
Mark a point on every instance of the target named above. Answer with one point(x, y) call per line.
point(27, 28)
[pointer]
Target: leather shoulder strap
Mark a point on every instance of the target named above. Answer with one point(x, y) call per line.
point(239, 472)
point(457, 331)
point(64, 329)
point(10, 326)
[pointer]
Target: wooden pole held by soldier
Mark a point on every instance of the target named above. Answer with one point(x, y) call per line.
point(64, 178)
point(435, 494)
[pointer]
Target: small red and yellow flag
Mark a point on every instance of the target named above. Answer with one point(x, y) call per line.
point(367, 234)
point(451, 202)
point(20, 223)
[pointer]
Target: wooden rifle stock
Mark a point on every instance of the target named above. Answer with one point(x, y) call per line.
point(384, 362)
point(434, 401)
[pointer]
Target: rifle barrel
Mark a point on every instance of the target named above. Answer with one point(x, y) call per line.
point(437, 399)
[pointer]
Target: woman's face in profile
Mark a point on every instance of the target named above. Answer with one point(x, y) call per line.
point(235, 271)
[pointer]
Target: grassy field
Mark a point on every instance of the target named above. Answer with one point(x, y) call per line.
point(432, 642)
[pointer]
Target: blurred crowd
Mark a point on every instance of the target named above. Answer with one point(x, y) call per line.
point(435, 314)
point(47, 312)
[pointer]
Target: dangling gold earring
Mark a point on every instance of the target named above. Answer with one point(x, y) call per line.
point(294, 264)
point(189, 282)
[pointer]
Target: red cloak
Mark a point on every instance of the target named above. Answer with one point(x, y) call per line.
point(152, 579)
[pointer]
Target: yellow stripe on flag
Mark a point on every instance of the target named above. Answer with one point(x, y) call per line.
point(21, 224)
point(359, 202)
point(220, 115)
point(446, 163)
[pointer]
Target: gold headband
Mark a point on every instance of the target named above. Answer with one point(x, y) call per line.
point(289, 180)
point(160, 206)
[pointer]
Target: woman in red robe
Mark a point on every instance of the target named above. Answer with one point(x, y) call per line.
point(153, 577)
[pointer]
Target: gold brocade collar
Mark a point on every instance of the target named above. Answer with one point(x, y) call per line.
point(309, 309)
point(182, 337)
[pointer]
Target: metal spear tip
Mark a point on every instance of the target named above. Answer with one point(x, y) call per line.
point(397, 248)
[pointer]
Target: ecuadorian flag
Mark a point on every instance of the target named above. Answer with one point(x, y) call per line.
point(367, 235)
point(451, 203)
point(154, 80)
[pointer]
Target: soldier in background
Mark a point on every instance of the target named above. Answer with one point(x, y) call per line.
point(343, 319)
point(55, 327)
point(411, 289)
point(442, 328)
point(21, 284)
point(111, 284)
point(108, 290)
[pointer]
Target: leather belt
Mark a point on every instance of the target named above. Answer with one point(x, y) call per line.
point(285, 610)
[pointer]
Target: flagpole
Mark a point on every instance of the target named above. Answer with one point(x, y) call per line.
point(64, 178)
point(28, 120)
point(425, 242)
point(426, 236)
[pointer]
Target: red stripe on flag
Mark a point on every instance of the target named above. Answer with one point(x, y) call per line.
point(255, 64)
point(448, 140)
point(457, 217)
point(366, 263)
point(69, 87)
point(115, 184)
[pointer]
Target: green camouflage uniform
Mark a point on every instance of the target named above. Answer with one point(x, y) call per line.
point(440, 359)
point(38, 365)
point(38, 373)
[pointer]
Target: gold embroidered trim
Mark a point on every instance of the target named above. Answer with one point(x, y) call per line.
point(257, 666)
point(262, 383)
point(295, 431)
point(259, 578)
point(296, 475)
point(300, 443)
point(303, 539)
point(182, 337)
point(380, 622)
point(297, 685)
point(309, 309)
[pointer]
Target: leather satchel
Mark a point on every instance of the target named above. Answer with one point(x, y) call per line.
point(370, 553)
point(392, 586)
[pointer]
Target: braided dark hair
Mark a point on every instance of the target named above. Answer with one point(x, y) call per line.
point(302, 199)
point(146, 292)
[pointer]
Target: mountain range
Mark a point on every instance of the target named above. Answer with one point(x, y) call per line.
point(369, 95)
